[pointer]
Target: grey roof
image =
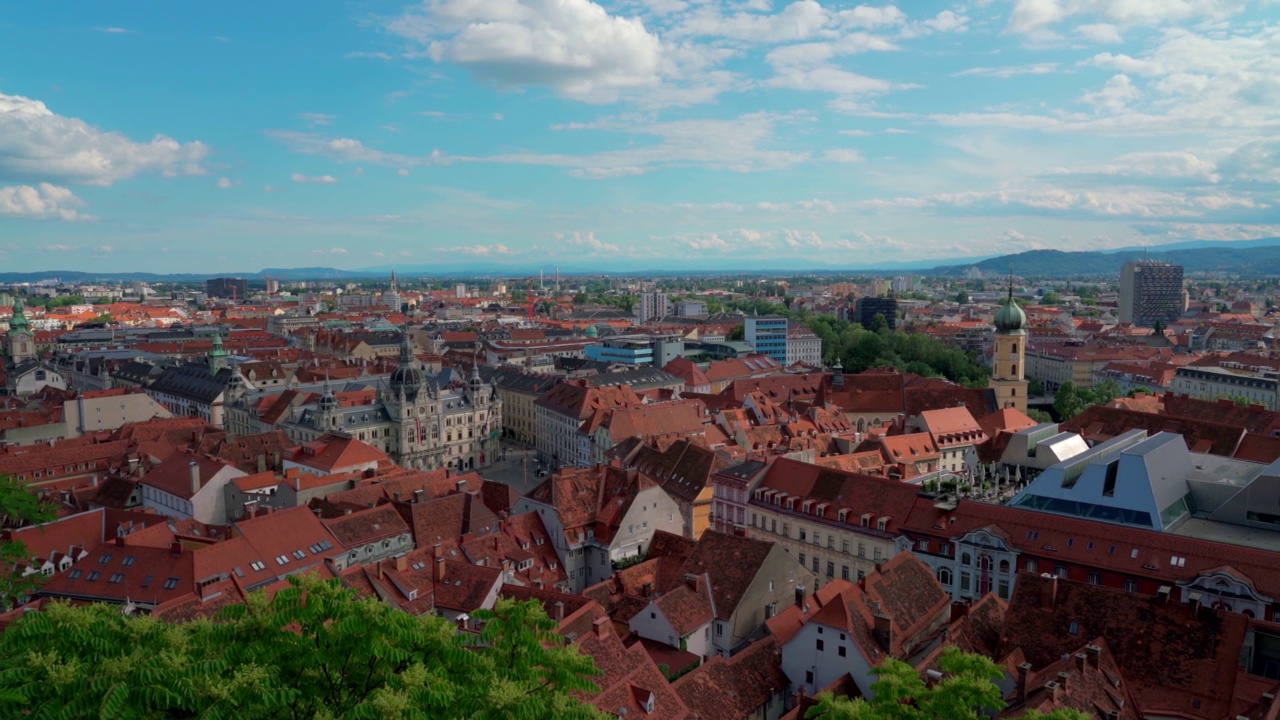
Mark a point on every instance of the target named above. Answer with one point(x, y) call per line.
point(639, 378)
point(192, 381)
point(137, 372)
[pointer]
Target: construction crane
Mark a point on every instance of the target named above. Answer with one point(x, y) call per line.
point(529, 298)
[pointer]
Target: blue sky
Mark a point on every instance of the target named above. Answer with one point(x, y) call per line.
point(208, 137)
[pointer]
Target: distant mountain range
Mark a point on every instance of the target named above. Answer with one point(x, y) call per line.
point(1248, 257)
point(1254, 257)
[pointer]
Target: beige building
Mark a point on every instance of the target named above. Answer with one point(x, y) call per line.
point(96, 410)
point(815, 515)
point(518, 392)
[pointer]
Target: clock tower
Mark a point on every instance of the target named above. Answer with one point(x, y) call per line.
point(22, 344)
point(1008, 372)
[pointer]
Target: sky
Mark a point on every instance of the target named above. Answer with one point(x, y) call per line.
point(637, 134)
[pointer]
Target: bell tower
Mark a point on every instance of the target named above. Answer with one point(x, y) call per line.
point(1008, 371)
point(22, 344)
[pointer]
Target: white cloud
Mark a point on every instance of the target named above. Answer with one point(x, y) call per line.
point(43, 202)
point(842, 155)
point(105, 249)
point(317, 179)
point(312, 119)
point(1031, 16)
point(55, 247)
point(225, 183)
point(1114, 96)
point(572, 46)
point(588, 241)
point(1116, 202)
point(403, 172)
point(330, 251)
point(498, 249)
point(1165, 165)
point(359, 54)
point(1010, 71)
point(1101, 33)
point(37, 144)
point(115, 31)
point(799, 20)
point(349, 150)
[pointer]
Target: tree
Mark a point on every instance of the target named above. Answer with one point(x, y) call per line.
point(312, 651)
point(738, 333)
point(967, 692)
point(962, 297)
point(19, 507)
point(1035, 388)
point(1067, 402)
point(1050, 298)
point(1104, 391)
point(1039, 416)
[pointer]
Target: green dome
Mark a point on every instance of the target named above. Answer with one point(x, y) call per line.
point(1010, 318)
point(592, 332)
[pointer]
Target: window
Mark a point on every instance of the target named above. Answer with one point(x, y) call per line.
point(1095, 578)
point(840, 650)
point(815, 563)
point(1060, 571)
point(944, 576)
point(862, 550)
point(115, 578)
point(171, 583)
point(1004, 589)
point(93, 575)
point(878, 556)
point(831, 542)
point(128, 560)
point(1074, 629)
point(844, 546)
point(719, 629)
point(802, 557)
point(1130, 585)
point(803, 534)
point(964, 581)
point(1031, 566)
point(831, 569)
point(75, 575)
point(817, 538)
point(820, 645)
point(258, 565)
point(786, 528)
point(922, 545)
point(300, 554)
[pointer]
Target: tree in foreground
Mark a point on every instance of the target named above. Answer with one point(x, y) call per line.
point(312, 651)
point(19, 507)
point(967, 691)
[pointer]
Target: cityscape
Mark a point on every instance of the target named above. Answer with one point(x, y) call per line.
point(675, 360)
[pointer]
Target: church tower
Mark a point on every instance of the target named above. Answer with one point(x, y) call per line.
point(22, 344)
point(1008, 371)
point(218, 355)
point(392, 297)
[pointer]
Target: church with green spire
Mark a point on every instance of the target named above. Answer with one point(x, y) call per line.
point(25, 374)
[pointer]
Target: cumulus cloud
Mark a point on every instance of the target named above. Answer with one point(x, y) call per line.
point(1009, 71)
point(317, 179)
point(225, 183)
point(572, 46)
point(41, 202)
point(38, 144)
point(588, 241)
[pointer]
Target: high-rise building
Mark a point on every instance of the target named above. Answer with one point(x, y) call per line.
point(652, 306)
point(392, 297)
point(1151, 291)
point(870, 307)
point(233, 288)
point(767, 335)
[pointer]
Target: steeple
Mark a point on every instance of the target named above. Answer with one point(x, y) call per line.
point(218, 355)
point(19, 320)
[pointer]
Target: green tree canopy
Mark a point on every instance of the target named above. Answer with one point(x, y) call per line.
point(967, 691)
point(311, 651)
point(19, 507)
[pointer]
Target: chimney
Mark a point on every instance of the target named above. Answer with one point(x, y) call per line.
point(262, 462)
point(691, 580)
point(646, 589)
point(461, 485)
point(119, 541)
point(1094, 653)
point(417, 496)
point(402, 563)
point(1051, 689)
point(439, 573)
point(1062, 679)
point(559, 611)
point(297, 482)
point(601, 626)
point(884, 630)
point(175, 547)
point(195, 476)
point(1024, 672)
point(1081, 659)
